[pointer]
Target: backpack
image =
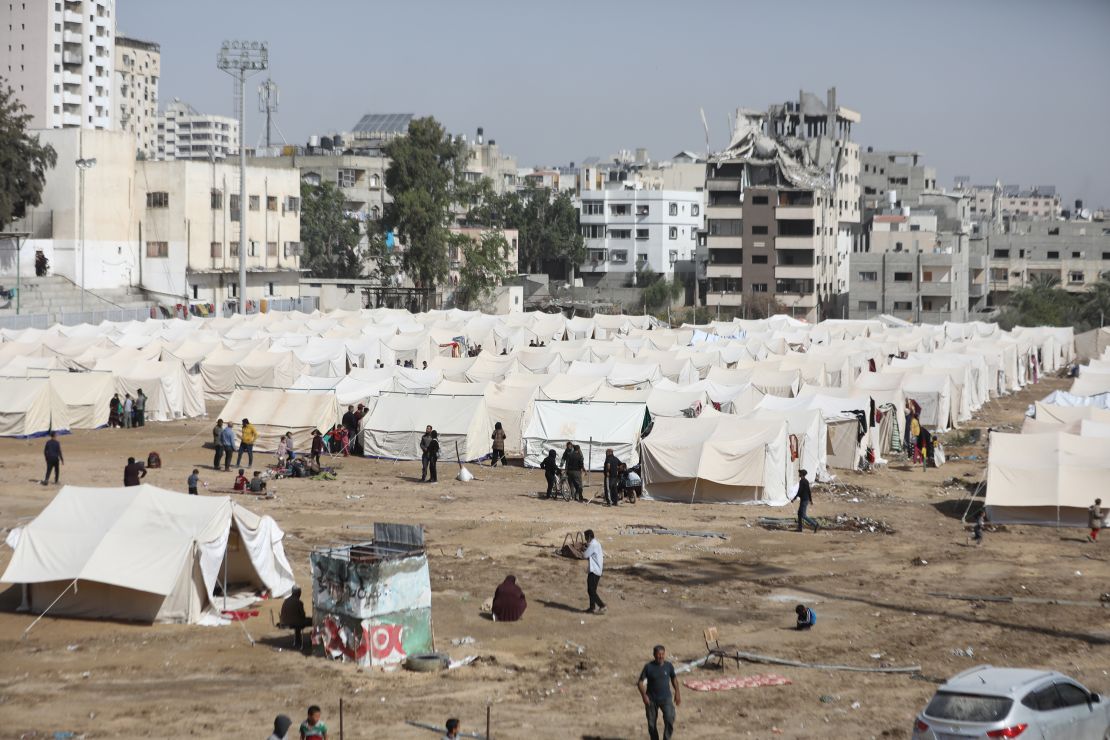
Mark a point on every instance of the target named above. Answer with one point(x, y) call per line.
point(154, 460)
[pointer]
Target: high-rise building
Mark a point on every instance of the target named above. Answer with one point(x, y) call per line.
point(783, 211)
point(185, 133)
point(138, 68)
point(58, 57)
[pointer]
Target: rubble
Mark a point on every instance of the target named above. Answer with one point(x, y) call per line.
point(839, 523)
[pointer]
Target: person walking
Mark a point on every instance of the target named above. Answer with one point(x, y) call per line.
point(128, 411)
point(498, 452)
point(194, 483)
point(425, 440)
point(433, 455)
point(52, 451)
point(612, 473)
point(657, 681)
point(227, 444)
point(317, 446)
point(550, 468)
point(248, 437)
point(804, 498)
point(574, 467)
point(1095, 515)
point(140, 409)
point(217, 433)
point(595, 565)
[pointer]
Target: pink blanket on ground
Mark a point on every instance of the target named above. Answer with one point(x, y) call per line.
point(737, 682)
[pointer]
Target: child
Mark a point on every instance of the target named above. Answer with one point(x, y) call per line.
point(312, 728)
point(806, 617)
point(194, 481)
point(241, 481)
point(977, 531)
point(257, 484)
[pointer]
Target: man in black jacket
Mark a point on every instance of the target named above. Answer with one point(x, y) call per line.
point(52, 451)
point(804, 498)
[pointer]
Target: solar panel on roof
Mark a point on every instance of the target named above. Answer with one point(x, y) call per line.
point(384, 123)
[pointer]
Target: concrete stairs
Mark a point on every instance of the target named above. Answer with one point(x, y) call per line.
point(54, 294)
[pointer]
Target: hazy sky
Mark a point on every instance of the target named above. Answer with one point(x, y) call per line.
point(1011, 89)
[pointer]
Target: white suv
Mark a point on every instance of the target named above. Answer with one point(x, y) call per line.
point(989, 702)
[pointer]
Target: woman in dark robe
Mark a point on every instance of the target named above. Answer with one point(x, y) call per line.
point(113, 411)
point(508, 601)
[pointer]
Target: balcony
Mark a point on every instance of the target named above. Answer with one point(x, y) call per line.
point(723, 184)
point(69, 98)
point(936, 289)
point(70, 16)
point(71, 37)
point(795, 242)
point(723, 299)
point(796, 213)
point(71, 58)
point(799, 272)
point(732, 212)
point(976, 290)
point(71, 119)
point(794, 286)
point(724, 271)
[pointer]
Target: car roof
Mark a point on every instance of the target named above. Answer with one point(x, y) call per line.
point(986, 679)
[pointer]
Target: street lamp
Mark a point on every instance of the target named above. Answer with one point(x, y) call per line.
point(82, 165)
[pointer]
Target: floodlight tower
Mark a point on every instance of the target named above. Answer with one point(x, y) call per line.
point(269, 96)
point(238, 59)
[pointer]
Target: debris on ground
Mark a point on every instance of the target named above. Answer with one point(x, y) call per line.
point(574, 546)
point(959, 653)
point(468, 640)
point(919, 561)
point(839, 523)
point(654, 529)
point(759, 680)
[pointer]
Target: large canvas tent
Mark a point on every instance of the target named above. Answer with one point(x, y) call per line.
point(143, 553)
point(716, 458)
point(273, 413)
point(30, 407)
point(393, 429)
point(594, 426)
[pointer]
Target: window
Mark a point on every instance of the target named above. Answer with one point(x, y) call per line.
point(618, 255)
point(760, 200)
point(759, 230)
point(271, 250)
point(234, 249)
point(157, 249)
point(1106, 255)
point(593, 231)
point(292, 204)
point(216, 250)
point(673, 233)
point(903, 277)
point(641, 233)
point(271, 202)
point(1071, 696)
point(868, 277)
point(620, 209)
point(672, 209)
point(157, 200)
point(620, 233)
point(1075, 276)
point(1053, 255)
point(726, 227)
point(292, 249)
point(347, 178)
point(759, 287)
point(1002, 254)
point(253, 202)
point(593, 208)
point(759, 259)
point(642, 210)
point(903, 306)
point(868, 306)
point(695, 209)
point(998, 274)
point(217, 199)
point(233, 206)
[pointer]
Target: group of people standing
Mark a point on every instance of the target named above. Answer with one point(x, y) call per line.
point(127, 412)
point(223, 439)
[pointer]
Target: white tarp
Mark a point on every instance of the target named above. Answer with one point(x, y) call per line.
point(273, 413)
point(29, 407)
point(594, 426)
point(393, 429)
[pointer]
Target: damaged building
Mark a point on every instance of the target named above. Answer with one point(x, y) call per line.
point(783, 210)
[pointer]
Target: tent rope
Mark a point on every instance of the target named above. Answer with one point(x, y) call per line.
point(73, 584)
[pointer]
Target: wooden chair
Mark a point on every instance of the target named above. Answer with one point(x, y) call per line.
point(714, 649)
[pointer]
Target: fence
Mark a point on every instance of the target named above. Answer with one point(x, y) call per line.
point(142, 313)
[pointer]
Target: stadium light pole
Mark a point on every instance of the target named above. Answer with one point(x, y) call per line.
point(238, 58)
point(83, 165)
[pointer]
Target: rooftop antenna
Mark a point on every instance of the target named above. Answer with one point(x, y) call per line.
point(269, 98)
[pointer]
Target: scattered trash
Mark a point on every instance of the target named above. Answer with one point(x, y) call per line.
point(575, 646)
point(826, 699)
point(969, 653)
point(726, 683)
point(876, 656)
point(71, 648)
point(464, 475)
point(459, 553)
point(1079, 572)
point(468, 640)
point(1105, 598)
point(460, 663)
point(839, 523)
point(355, 497)
point(655, 529)
point(856, 705)
point(574, 546)
point(919, 561)
point(86, 674)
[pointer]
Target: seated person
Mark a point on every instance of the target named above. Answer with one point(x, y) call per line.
point(508, 601)
point(806, 617)
point(293, 616)
point(257, 484)
point(298, 468)
point(631, 484)
point(241, 481)
point(311, 466)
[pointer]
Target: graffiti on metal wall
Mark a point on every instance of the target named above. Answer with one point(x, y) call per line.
point(362, 643)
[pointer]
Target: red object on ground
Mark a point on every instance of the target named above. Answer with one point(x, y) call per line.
point(240, 615)
point(737, 682)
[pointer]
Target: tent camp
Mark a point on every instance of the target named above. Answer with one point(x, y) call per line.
point(1045, 478)
point(716, 458)
point(393, 429)
point(86, 397)
point(30, 407)
point(594, 426)
point(143, 553)
point(273, 413)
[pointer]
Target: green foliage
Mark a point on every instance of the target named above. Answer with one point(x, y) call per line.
point(23, 160)
point(1044, 303)
point(661, 293)
point(548, 226)
point(330, 236)
point(484, 267)
point(425, 179)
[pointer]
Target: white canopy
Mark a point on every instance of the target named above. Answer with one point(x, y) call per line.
point(393, 429)
point(273, 413)
point(595, 426)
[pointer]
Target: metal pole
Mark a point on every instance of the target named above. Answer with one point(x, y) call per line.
point(18, 286)
point(488, 707)
point(243, 198)
point(81, 228)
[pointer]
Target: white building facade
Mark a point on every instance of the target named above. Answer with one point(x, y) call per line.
point(630, 230)
point(185, 133)
point(58, 57)
point(138, 70)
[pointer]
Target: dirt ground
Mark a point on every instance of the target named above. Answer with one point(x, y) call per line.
point(560, 673)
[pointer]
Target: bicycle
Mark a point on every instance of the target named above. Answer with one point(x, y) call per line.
point(562, 490)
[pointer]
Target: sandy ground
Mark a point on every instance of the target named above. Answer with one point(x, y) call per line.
point(125, 680)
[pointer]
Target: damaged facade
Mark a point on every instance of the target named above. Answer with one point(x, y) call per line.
point(372, 602)
point(783, 209)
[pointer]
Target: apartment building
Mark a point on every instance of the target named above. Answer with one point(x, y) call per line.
point(629, 230)
point(58, 55)
point(999, 204)
point(784, 209)
point(138, 69)
point(506, 298)
point(684, 171)
point(485, 160)
point(1076, 253)
point(185, 133)
point(359, 176)
point(899, 171)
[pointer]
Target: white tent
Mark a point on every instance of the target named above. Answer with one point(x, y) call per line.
point(171, 392)
point(143, 553)
point(86, 397)
point(1045, 478)
point(29, 407)
point(1090, 384)
point(393, 429)
point(594, 426)
point(716, 458)
point(273, 413)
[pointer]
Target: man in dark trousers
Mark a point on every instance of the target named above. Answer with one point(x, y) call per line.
point(804, 499)
point(432, 455)
point(425, 440)
point(595, 566)
point(350, 422)
point(52, 451)
point(133, 473)
point(575, 464)
point(656, 682)
point(612, 478)
point(293, 616)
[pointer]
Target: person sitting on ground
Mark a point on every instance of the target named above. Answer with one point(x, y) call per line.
point(133, 473)
point(293, 616)
point(241, 481)
point(806, 617)
point(311, 467)
point(508, 601)
point(257, 484)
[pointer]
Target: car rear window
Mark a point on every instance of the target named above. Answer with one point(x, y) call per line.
point(968, 707)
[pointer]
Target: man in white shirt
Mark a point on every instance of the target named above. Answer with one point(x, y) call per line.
point(595, 560)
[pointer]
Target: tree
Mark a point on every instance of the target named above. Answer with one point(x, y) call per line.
point(424, 177)
point(23, 160)
point(330, 236)
point(484, 267)
point(661, 293)
point(1040, 303)
point(548, 226)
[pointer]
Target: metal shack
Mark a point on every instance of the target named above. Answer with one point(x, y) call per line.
point(372, 602)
